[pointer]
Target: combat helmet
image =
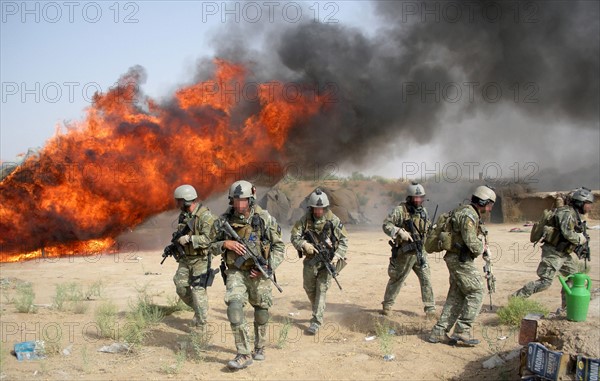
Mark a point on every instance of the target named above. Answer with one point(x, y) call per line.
point(242, 189)
point(415, 189)
point(317, 199)
point(483, 195)
point(185, 192)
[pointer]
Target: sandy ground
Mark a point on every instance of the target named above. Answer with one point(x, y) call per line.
point(339, 351)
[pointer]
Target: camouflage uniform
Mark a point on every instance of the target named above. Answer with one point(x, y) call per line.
point(405, 259)
point(556, 254)
point(316, 278)
point(195, 263)
point(465, 295)
point(261, 229)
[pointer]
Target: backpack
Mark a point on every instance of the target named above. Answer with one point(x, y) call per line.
point(440, 236)
point(544, 228)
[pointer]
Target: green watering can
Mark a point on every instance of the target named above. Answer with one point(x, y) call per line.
point(578, 296)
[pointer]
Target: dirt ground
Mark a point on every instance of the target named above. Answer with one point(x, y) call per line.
point(343, 349)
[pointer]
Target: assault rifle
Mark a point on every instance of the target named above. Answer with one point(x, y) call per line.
point(259, 262)
point(489, 276)
point(417, 243)
point(324, 254)
point(583, 251)
point(175, 249)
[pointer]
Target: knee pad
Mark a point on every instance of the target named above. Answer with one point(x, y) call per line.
point(261, 316)
point(235, 313)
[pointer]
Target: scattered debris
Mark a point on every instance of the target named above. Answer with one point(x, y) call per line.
point(67, 351)
point(370, 338)
point(115, 348)
point(518, 230)
point(30, 350)
point(294, 313)
point(493, 362)
point(389, 357)
point(151, 273)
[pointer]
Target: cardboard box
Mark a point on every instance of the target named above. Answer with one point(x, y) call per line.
point(587, 369)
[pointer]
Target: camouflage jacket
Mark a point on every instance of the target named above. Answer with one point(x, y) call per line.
point(201, 237)
point(568, 222)
point(467, 230)
point(399, 217)
point(260, 229)
point(308, 222)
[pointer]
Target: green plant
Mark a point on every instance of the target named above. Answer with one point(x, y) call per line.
point(517, 308)
point(106, 318)
point(180, 358)
point(24, 298)
point(283, 334)
point(85, 360)
point(199, 341)
point(383, 332)
point(95, 290)
point(143, 314)
point(67, 296)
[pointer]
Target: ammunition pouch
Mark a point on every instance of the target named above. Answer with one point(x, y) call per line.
point(408, 247)
point(202, 281)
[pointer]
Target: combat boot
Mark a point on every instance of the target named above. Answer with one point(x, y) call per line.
point(386, 311)
point(437, 337)
point(259, 354)
point(430, 314)
point(465, 338)
point(312, 330)
point(240, 362)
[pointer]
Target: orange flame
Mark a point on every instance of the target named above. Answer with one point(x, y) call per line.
point(120, 165)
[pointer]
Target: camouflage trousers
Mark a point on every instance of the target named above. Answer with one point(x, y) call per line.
point(194, 296)
point(464, 298)
point(316, 282)
point(242, 289)
point(553, 261)
point(398, 271)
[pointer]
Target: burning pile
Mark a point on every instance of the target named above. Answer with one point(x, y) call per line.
point(120, 165)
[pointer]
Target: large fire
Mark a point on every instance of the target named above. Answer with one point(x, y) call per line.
point(120, 165)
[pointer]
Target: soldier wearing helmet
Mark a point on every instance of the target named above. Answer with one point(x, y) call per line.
point(465, 296)
point(328, 227)
point(406, 219)
point(567, 234)
point(246, 284)
point(190, 276)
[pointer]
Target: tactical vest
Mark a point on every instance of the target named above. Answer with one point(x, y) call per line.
point(419, 220)
point(326, 231)
point(254, 233)
point(457, 238)
point(200, 214)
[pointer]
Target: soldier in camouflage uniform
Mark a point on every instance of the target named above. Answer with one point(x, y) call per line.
point(190, 276)
point(399, 225)
point(558, 246)
point(247, 284)
point(316, 278)
point(465, 296)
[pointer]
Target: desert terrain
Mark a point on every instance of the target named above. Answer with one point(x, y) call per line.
point(343, 349)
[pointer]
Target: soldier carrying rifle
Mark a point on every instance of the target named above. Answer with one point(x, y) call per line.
point(321, 238)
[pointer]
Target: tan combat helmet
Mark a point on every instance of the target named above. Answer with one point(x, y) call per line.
point(185, 192)
point(415, 189)
point(317, 199)
point(583, 195)
point(484, 195)
point(242, 189)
